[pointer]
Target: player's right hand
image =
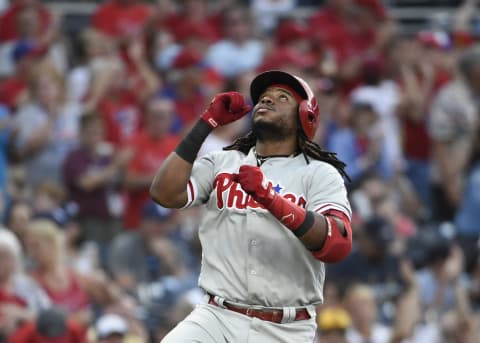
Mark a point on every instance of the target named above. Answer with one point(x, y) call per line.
point(253, 182)
point(225, 108)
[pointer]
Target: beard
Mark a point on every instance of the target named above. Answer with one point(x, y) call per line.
point(268, 131)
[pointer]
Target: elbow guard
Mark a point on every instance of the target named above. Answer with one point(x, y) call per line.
point(337, 245)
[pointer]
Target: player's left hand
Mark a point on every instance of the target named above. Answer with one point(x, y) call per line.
point(253, 182)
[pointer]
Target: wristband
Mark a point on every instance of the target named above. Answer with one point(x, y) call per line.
point(306, 225)
point(191, 144)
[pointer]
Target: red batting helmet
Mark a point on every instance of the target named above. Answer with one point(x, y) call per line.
point(308, 112)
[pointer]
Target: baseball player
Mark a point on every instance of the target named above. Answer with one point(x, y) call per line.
point(276, 211)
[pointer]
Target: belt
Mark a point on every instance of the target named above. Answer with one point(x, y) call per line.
point(270, 315)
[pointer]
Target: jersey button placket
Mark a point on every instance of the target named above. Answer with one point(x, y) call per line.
point(253, 245)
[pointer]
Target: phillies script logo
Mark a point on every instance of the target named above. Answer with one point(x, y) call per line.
point(235, 197)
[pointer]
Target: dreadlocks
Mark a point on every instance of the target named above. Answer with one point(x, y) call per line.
point(305, 146)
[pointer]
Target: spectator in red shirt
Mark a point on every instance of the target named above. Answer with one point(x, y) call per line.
point(118, 92)
point(195, 36)
point(196, 12)
point(187, 88)
point(292, 47)
point(150, 147)
point(291, 34)
point(115, 100)
point(165, 14)
point(127, 22)
point(121, 19)
point(72, 292)
point(9, 19)
point(14, 89)
point(20, 296)
point(51, 326)
point(29, 29)
point(421, 67)
point(349, 29)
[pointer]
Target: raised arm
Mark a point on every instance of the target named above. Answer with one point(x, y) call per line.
point(169, 186)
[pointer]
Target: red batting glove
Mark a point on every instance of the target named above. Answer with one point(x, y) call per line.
point(252, 181)
point(225, 108)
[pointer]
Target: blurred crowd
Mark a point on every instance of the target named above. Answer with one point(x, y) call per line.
point(87, 118)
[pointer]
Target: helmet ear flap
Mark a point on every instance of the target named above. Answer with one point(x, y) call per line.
point(308, 119)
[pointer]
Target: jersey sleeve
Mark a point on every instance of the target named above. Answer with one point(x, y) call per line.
point(200, 184)
point(326, 192)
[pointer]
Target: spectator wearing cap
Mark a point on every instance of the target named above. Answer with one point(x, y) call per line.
point(50, 203)
point(332, 325)
point(9, 29)
point(238, 51)
point(192, 37)
point(14, 88)
point(293, 35)
point(111, 328)
point(31, 28)
point(187, 87)
point(51, 326)
point(149, 148)
point(289, 60)
point(151, 252)
point(28, 32)
point(291, 50)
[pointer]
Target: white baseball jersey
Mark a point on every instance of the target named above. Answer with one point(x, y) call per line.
point(250, 257)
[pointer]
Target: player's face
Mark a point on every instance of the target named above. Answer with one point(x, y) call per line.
point(275, 113)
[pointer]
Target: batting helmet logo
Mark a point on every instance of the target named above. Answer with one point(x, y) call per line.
point(308, 111)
